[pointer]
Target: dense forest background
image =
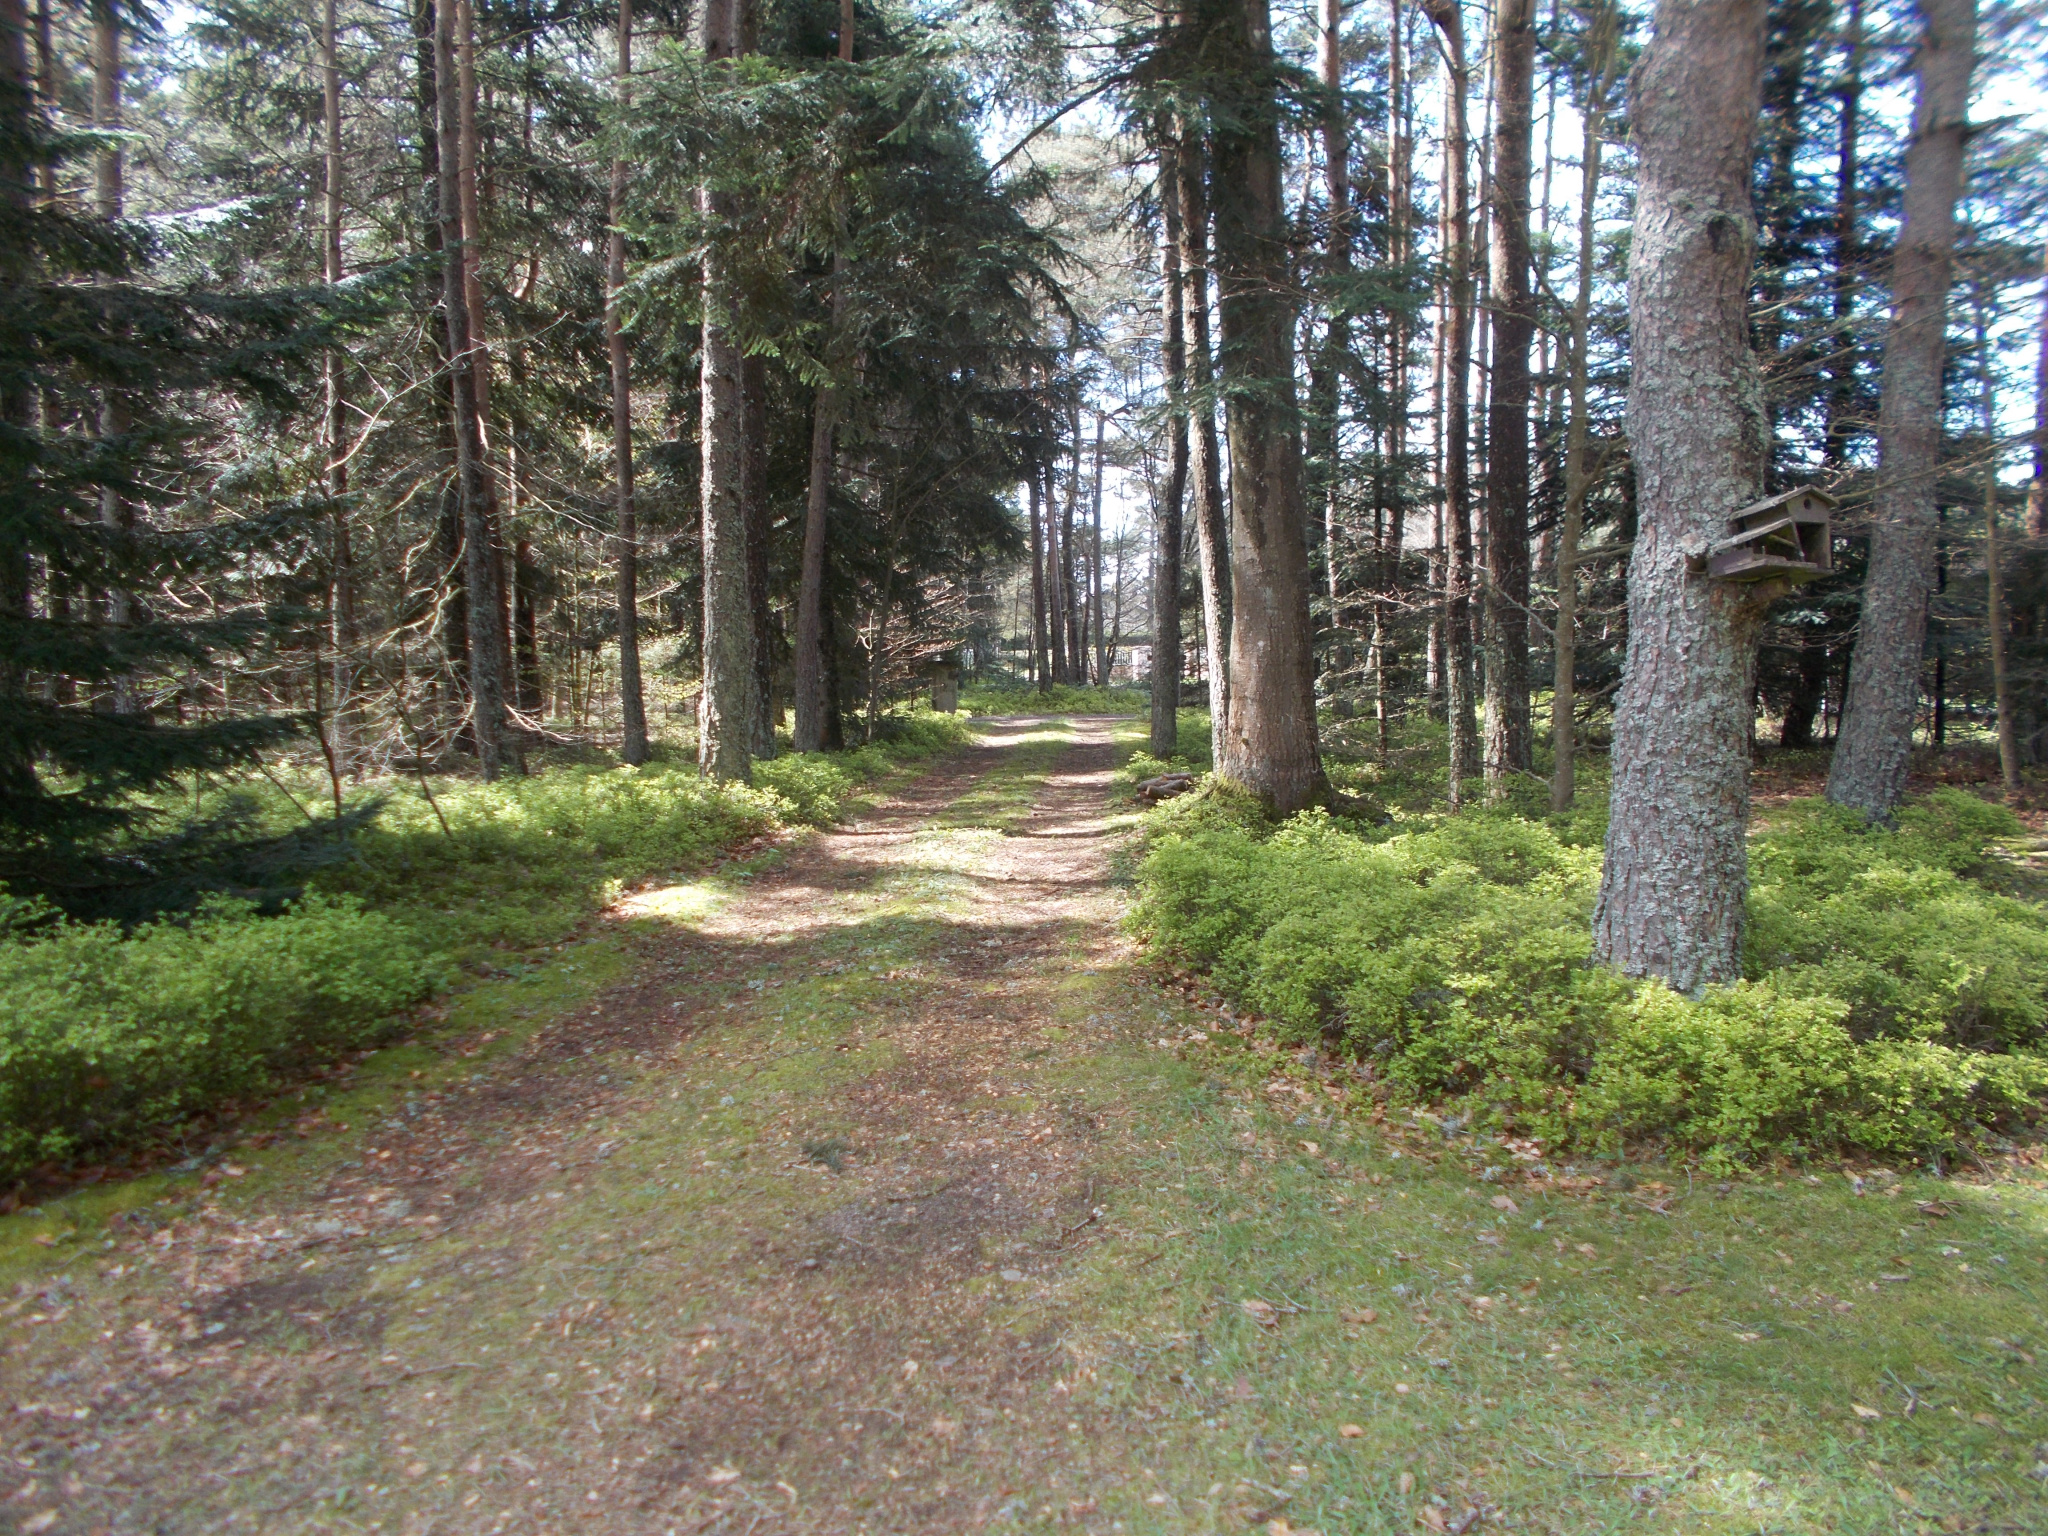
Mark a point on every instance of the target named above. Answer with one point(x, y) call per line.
point(794, 351)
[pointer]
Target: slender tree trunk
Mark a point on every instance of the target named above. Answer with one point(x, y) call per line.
point(1848, 246)
point(1270, 747)
point(1459, 702)
point(109, 176)
point(1073, 597)
point(1676, 871)
point(1875, 749)
point(1205, 460)
point(1055, 583)
point(18, 406)
point(1577, 470)
point(754, 494)
point(2037, 486)
point(808, 721)
point(476, 499)
point(1387, 564)
point(1336, 133)
point(1507, 415)
point(632, 698)
point(342, 595)
point(1095, 562)
point(1040, 645)
point(527, 691)
point(1994, 586)
point(1169, 535)
point(726, 714)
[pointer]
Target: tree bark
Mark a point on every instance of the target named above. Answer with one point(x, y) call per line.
point(1513, 309)
point(2037, 486)
point(1169, 533)
point(1205, 460)
point(1676, 872)
point(1459, 703)
point(18, 407)
point(476, 499)
point(1336, 132)
point(809, 715)
point(1994, 586)
point(632, 697)
point(1577, 470)
point(1095, 562)
point(342, 581)
point(725, 720)
point(1270, 747)
point(1876, 745)
point(1040, 643)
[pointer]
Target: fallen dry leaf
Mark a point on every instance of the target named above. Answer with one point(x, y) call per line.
point(1362, 1315)
point(721, 1475)
point(1352, 1431)
point(1988, 1420)
point(40, 1522)
point(945, 1429)
point(1589, 1250)
point(1432, 1517)
point(1505, 1203)
point(1260, 1312)
point(1312, 1148)
point(1862, 1412)
point(1405, 1483)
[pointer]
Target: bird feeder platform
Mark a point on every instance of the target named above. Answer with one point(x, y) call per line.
point(1784, 537)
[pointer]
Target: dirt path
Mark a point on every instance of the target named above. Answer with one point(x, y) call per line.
point(742, 1243)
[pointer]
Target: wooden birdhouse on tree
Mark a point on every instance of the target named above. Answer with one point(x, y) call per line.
point(1781, 538)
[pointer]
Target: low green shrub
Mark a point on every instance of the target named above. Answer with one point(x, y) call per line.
point(1060, 699)
point(1891, 1001)
point(106, 1033)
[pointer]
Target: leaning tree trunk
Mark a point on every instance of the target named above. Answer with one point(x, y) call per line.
point(1205, 459)
point(1270, 747)
point(1671, 893)
point(1876, 744)
point(1507, 411)
point(1170, 534)
point(725, 717)
point(475, 497)
point(632, 697)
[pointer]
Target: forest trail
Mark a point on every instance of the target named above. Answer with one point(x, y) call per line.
point(685, 1256)
point(876, 1185)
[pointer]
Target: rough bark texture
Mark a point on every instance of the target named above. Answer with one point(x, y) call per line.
point(482, 570)
point(1507, 412)
point(1169, 533)
point(1876, 744)
point(1459, 701)
point(1676, 873)
point(342, 588)
point(1337, 341)
point(632, 697)
point(1039, 644)
point(754, 497)
point(1205, 460)
point(1270, 747)
point(725, 716)
point(17, 400)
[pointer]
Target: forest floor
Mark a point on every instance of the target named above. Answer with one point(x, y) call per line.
point(878, 1183)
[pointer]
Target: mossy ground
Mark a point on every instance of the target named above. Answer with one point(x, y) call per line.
point(602, 1274)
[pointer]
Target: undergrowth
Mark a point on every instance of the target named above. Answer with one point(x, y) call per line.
point(1060, 699)
point(1891, 1002)
point(108, 1035)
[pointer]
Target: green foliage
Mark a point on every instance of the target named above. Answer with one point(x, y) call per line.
point(108, 1033)
point(1891, 1003)
point(1060, 699)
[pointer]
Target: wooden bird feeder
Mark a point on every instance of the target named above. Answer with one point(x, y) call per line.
point(1781, 538)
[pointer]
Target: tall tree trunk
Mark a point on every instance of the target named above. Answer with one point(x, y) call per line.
point(1876, 745)
point(1387, 561)
point(1095, 562)
point(1169, 533)
point(527, 691)
point(1459, 702)
point(109, 178)
point(632, 697)
point(754, 494)
point(1270, 747)
point(1676, 872)
point(808, 708)
point(726, 714)
point(1205, 459)
point(1994, 587)
point(2037, 486)
point(1507, 414)
point(342, 593)
point(18, 408)
point(1600, 61)
point(476, 498)
point(1055, 586)
point(1336, 133)
point(1041, 667)
point(1073, 588)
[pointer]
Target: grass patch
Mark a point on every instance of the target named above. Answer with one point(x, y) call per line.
point(1060, 699)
